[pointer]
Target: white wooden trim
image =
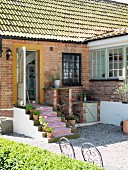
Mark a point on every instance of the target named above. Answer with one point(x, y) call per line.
point(109, 42)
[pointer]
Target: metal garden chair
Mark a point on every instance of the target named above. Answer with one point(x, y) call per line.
point(91, 154)
point(66, 148)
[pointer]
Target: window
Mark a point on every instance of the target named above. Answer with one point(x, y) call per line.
point(107, 63)
point(98, 64)
point(71, 69)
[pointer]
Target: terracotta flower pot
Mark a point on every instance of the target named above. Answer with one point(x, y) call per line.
point(72, 122)
point(49, 134)
point(32, 111)
point(35, 117)
point(125, 126)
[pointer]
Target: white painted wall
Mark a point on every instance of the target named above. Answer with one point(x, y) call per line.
point(113, 112)
point(22, 124)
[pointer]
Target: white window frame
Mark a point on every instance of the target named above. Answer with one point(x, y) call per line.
point(97, 64)
point(107, 63)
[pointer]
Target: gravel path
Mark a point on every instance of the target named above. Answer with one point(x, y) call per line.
point(109, 139)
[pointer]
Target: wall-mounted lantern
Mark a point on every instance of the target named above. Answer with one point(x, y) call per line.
point(1, 53)
point(8, 54)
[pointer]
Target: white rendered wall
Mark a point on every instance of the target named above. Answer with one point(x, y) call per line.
point(22, 124)
point(113, 112)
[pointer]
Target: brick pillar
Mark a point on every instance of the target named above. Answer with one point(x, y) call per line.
point(83, 117)
point(70, 101)
point(55, 97)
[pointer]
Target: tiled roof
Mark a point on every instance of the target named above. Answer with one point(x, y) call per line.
point(68, 20)
point(113, 33)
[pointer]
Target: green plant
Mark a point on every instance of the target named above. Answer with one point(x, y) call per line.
point(45, 125)
point(18, 156)
point(51, 77)
point(71, 117)
point(41, 120)
point(81, 95)
point(29, 107)
point(57, 75)
point(50, 129)
point(122, 90)
point(36, 112)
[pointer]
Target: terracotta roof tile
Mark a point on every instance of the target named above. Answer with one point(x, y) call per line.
point(113, 33)
point(68, 20)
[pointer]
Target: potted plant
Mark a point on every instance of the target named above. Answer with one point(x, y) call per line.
point(36, 114)
point(30, 108)
point(44, 126)
point(50, 132)
point(57, 78)
point(125, 126)
point(71, 119)
point(84, 95)
point(81, 97)
point(72, 98)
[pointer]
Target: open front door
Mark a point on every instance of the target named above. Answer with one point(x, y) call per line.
point(21, 76)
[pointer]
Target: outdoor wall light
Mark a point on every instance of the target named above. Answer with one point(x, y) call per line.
point(1, 53)
point(8, 53)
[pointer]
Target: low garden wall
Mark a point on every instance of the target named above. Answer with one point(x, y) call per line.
point(113, 112)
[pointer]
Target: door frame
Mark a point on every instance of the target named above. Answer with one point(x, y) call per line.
point(39, 49)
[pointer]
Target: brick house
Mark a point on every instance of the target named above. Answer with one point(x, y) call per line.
point(55, 33)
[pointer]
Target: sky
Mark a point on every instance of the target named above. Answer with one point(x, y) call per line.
point(123, 1)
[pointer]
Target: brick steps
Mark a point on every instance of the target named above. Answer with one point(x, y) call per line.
point(60, 128)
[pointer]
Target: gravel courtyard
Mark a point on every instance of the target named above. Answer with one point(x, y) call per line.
point(109, 139)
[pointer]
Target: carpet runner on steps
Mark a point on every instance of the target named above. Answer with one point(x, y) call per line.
point(60, 128)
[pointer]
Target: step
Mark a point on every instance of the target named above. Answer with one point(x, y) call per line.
point(61, 131)
point(56, 124)
point(68, 136)
point(50, 113)
point(43, 108)
point(53, 119)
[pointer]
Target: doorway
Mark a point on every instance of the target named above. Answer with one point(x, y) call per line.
point(32, 76)
point(20, 76)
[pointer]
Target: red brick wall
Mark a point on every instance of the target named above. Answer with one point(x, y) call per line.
point(51, 58)
point(6, 113)
point(104, 90)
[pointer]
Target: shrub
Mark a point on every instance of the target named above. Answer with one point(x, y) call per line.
point(36, 112)
point(29, 107)
point(50, 129)
point(122, 90)
point(71, 117)
point(18, 156)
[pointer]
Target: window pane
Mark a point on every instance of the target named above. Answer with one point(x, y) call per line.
point(98, 64)
point(71, 69)
point(120, 73)
point(115, 62)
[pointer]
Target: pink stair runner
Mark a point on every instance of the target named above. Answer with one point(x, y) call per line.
point(60, 128)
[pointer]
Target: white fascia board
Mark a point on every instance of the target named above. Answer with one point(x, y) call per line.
point(109, 42)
